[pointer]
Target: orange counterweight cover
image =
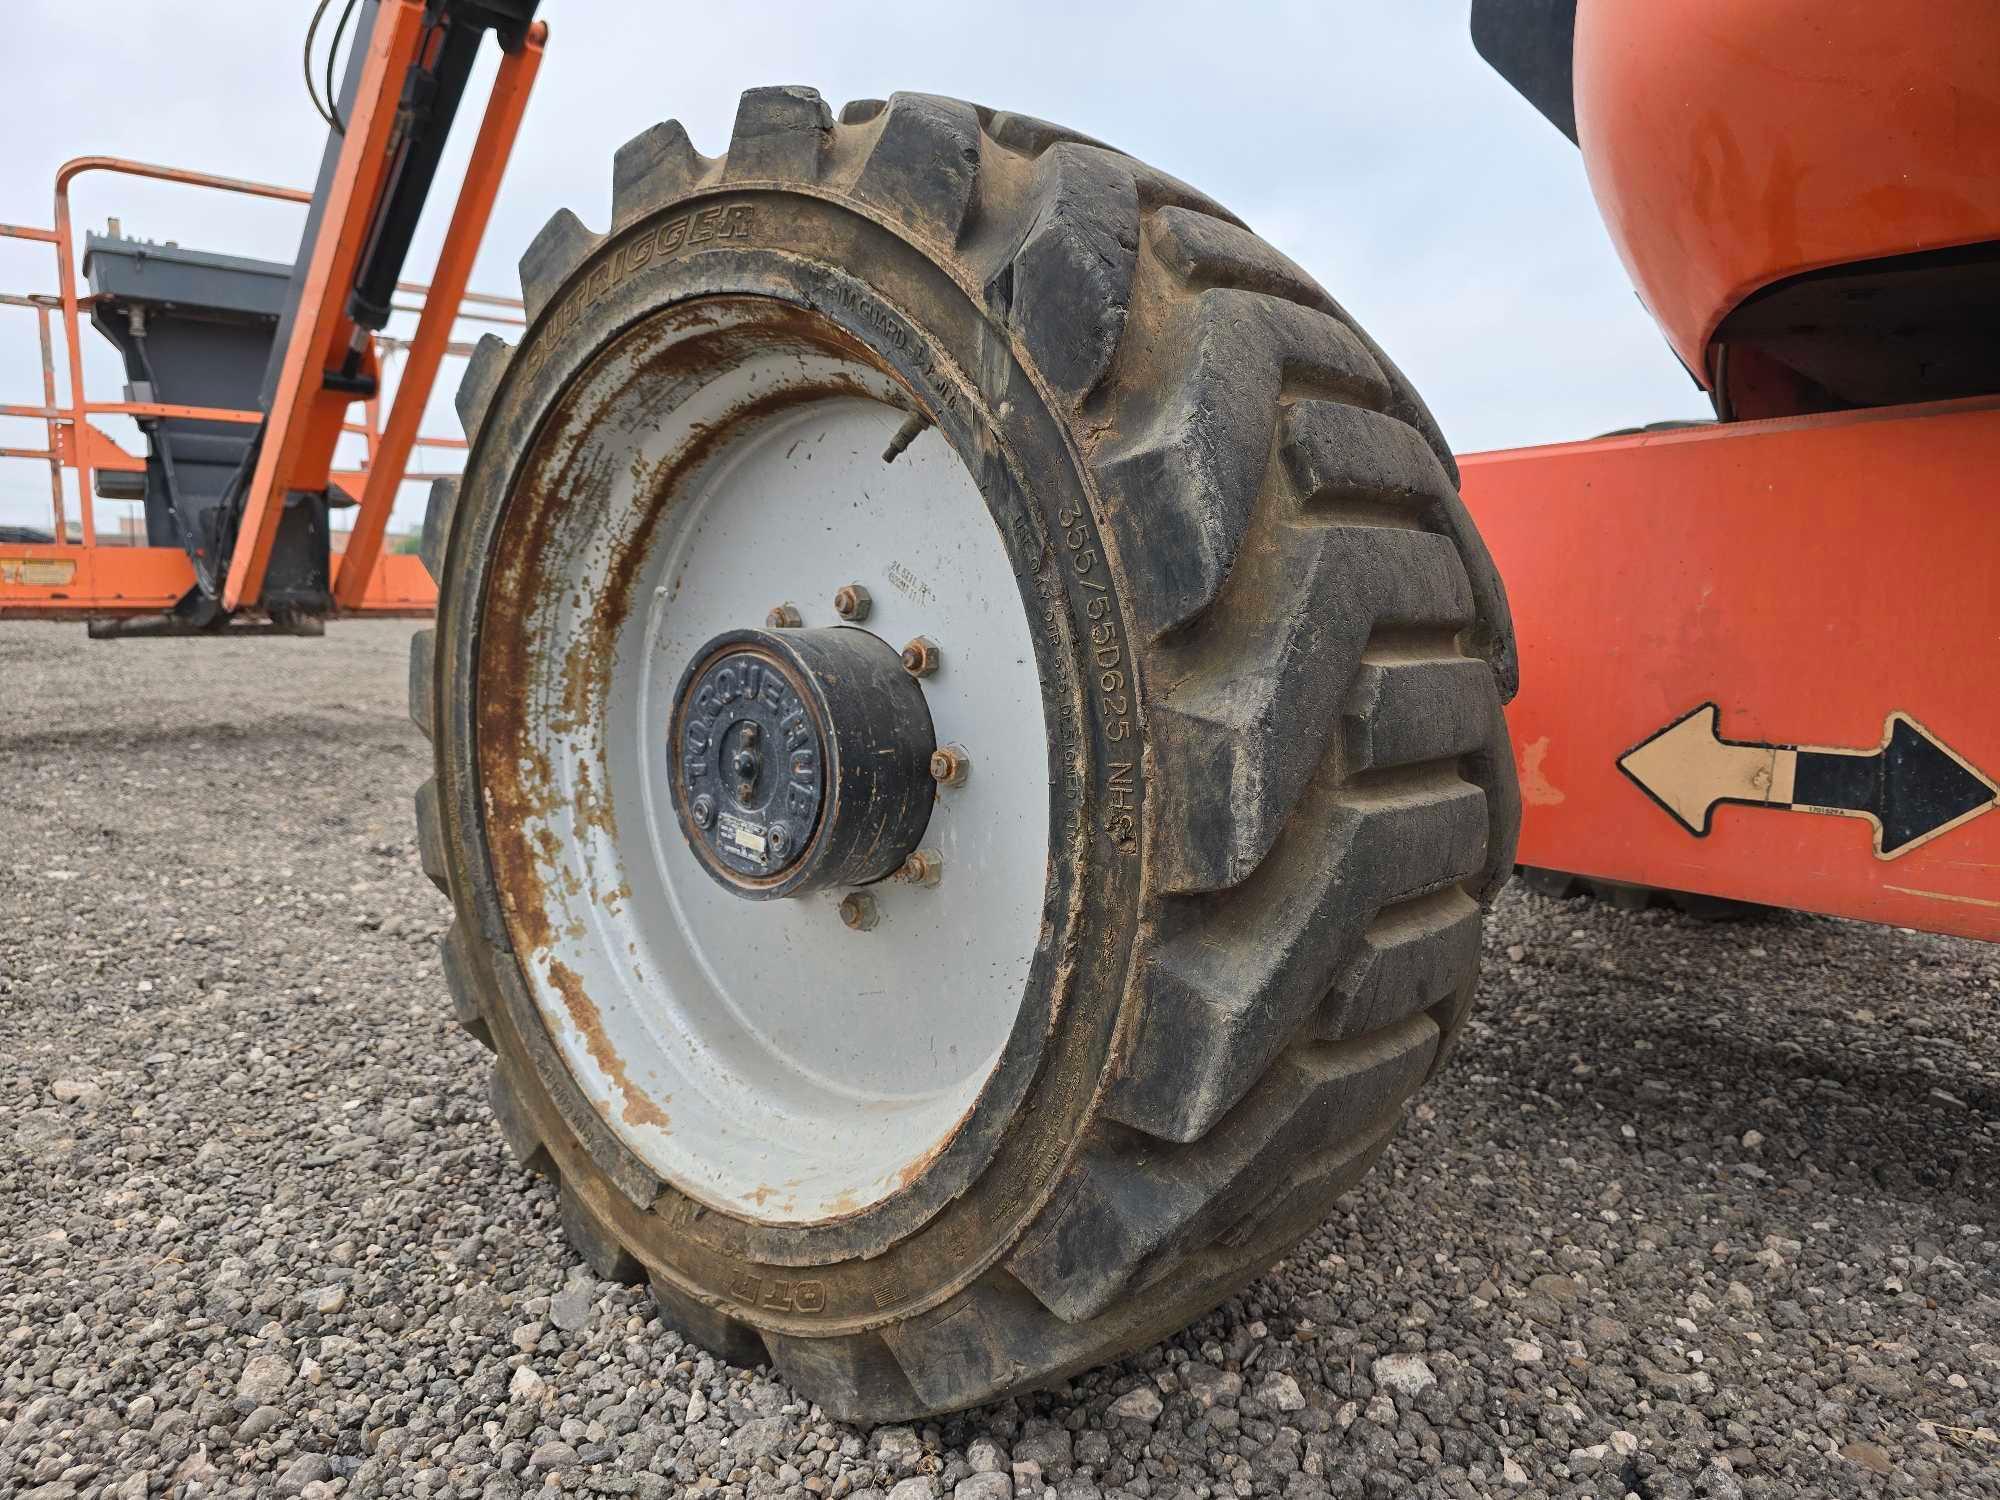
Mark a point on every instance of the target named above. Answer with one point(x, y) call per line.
point(1734, 143)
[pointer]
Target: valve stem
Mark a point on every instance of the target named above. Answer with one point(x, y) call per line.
point(907, 434)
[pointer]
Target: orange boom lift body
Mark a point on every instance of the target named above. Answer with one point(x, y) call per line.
point(1757, 655)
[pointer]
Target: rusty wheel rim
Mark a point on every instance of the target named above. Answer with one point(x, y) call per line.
point(791, 1061)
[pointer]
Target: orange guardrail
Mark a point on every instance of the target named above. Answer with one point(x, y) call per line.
point(138, 581)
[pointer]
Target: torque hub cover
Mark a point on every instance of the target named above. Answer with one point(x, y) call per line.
point(801, 760)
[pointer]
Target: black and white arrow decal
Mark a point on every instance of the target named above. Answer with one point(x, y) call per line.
point(1912, 787)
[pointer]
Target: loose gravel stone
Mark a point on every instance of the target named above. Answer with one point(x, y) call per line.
point(259, 1422)
point(265, 1378)
point(1869, 1456)
point(1407, 1373)
point(1140, 1404)
point(569, 1310)
point(1280, 1392)
point(553, 1456)
point(1739, 1185)
point(525, 1385)
point(1045, 1444)
point(306, 1469)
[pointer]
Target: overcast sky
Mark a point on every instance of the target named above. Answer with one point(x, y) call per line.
point(1367, 141)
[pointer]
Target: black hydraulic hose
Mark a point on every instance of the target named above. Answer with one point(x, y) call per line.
point(329, 108)
point(332, 98)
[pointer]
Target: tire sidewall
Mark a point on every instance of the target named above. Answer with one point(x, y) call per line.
point(912, 310)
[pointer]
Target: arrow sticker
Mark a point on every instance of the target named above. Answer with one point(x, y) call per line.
point(1912, 787)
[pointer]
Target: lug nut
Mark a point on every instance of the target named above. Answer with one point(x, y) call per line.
point(783, 617)
point(924, 867)
point(778, 839)
point(920, 657)
point(704, 812)
point(852, 602)
point(857, 910)
point(950, 765)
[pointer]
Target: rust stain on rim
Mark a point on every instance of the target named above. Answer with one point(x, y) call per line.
point(640, 1107)
point(520, 788)
point(516, 793)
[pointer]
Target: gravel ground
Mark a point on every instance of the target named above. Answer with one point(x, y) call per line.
point(1699, 1211)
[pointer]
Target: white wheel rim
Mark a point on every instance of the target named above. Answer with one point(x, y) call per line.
point(760, 1055)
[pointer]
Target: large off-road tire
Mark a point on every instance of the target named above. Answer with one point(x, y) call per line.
point(1258, 777)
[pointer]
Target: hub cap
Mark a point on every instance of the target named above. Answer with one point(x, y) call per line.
point(801, 760)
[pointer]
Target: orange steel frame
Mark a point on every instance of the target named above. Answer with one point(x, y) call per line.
point(307, 420)
point(1809, 576)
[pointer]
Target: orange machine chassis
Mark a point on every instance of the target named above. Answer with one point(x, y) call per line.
point(1829, 585)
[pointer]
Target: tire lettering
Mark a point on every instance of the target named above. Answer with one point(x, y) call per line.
point(1107, 652)
point(725, 221)
point(777, 1295)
